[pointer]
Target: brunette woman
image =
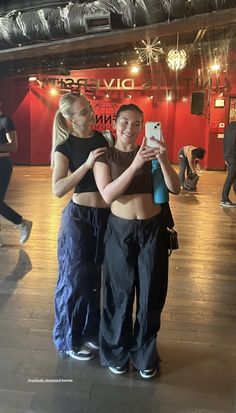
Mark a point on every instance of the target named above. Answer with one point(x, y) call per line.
point(136, 249)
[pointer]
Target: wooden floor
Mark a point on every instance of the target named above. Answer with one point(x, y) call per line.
point(197, 341)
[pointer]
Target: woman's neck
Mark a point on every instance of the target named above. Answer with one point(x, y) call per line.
point(125, 147)
point(82, 133)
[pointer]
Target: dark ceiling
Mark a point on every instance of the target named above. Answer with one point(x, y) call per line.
point(52, 36)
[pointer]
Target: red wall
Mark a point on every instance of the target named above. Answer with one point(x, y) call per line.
point(42, 109)
point(189, 129)
point(32, 108)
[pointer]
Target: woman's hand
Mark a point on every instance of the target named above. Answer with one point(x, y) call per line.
point(93, 156)
point(144, 154)
point(160, 149)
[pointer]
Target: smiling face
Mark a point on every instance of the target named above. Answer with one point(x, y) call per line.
point(128, 126)
point(83, 115)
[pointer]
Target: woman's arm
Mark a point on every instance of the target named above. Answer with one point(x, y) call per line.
point(11, 145)
point(190, 159)
point(170, 176)
point(62, 183)
point(111, 190)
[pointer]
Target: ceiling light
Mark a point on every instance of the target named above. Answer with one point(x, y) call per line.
point(215, 67)
point(150, 52)
point(53, 91)
point(134, 69)
point(169, 97)
point(177, 59)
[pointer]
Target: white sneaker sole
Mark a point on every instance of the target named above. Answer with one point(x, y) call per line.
point(76, 356)
point(144, 376)
point(91, 346)
point(114, 371)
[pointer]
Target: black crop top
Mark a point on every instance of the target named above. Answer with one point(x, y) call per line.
point(6, 126)
point(77, 151)
point(119, 161)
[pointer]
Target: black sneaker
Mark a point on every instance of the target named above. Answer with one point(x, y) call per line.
point(227, 204)
point(148, 374)
point(81, 355)
point(117, 370)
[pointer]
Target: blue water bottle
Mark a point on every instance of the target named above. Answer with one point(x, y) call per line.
point(160, 190)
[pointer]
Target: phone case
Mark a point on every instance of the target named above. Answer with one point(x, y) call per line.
point(153, 129)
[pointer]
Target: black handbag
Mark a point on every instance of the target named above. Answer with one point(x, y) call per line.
point(173, 243)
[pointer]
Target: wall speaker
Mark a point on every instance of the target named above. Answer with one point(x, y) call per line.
point(197, 103)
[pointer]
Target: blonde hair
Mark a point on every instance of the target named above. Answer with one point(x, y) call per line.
point(60, 129)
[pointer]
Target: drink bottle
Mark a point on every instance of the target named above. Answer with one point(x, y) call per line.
point(160, 190)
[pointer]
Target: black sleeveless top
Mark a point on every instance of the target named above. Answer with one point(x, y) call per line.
point(77, 151)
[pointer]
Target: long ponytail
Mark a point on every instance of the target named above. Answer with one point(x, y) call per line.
point(60, 129)
point(60, 132)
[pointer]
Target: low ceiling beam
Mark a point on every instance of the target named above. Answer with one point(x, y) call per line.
point(217, 19)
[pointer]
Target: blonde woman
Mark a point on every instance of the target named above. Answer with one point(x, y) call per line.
point(80, 242)
point(136, 248)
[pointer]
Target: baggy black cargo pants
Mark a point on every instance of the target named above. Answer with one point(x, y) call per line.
point(135, 263)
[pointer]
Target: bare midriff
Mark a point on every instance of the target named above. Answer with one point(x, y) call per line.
point(137, 206)
point(90, 199)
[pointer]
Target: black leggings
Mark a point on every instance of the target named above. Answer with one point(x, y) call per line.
point(5, 176)
point(230, 180)
point(135, 263)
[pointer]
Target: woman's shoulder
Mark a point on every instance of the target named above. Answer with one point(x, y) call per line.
point(65, 142)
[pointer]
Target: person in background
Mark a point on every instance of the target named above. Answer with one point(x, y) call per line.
point(75, 148)
point(230, 161)
point(136, 248)
point(8, 145)
point(189, 166)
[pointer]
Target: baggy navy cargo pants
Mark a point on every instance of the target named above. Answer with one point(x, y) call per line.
point(135, 262)
point(77, 294)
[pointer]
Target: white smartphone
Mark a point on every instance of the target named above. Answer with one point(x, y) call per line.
point(153, 129)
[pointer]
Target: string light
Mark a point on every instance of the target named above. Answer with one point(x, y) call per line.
point(216, 65)
point(150, 52)
point(177, 59)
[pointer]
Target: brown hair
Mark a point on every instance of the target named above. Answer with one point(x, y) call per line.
point(130, 106)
